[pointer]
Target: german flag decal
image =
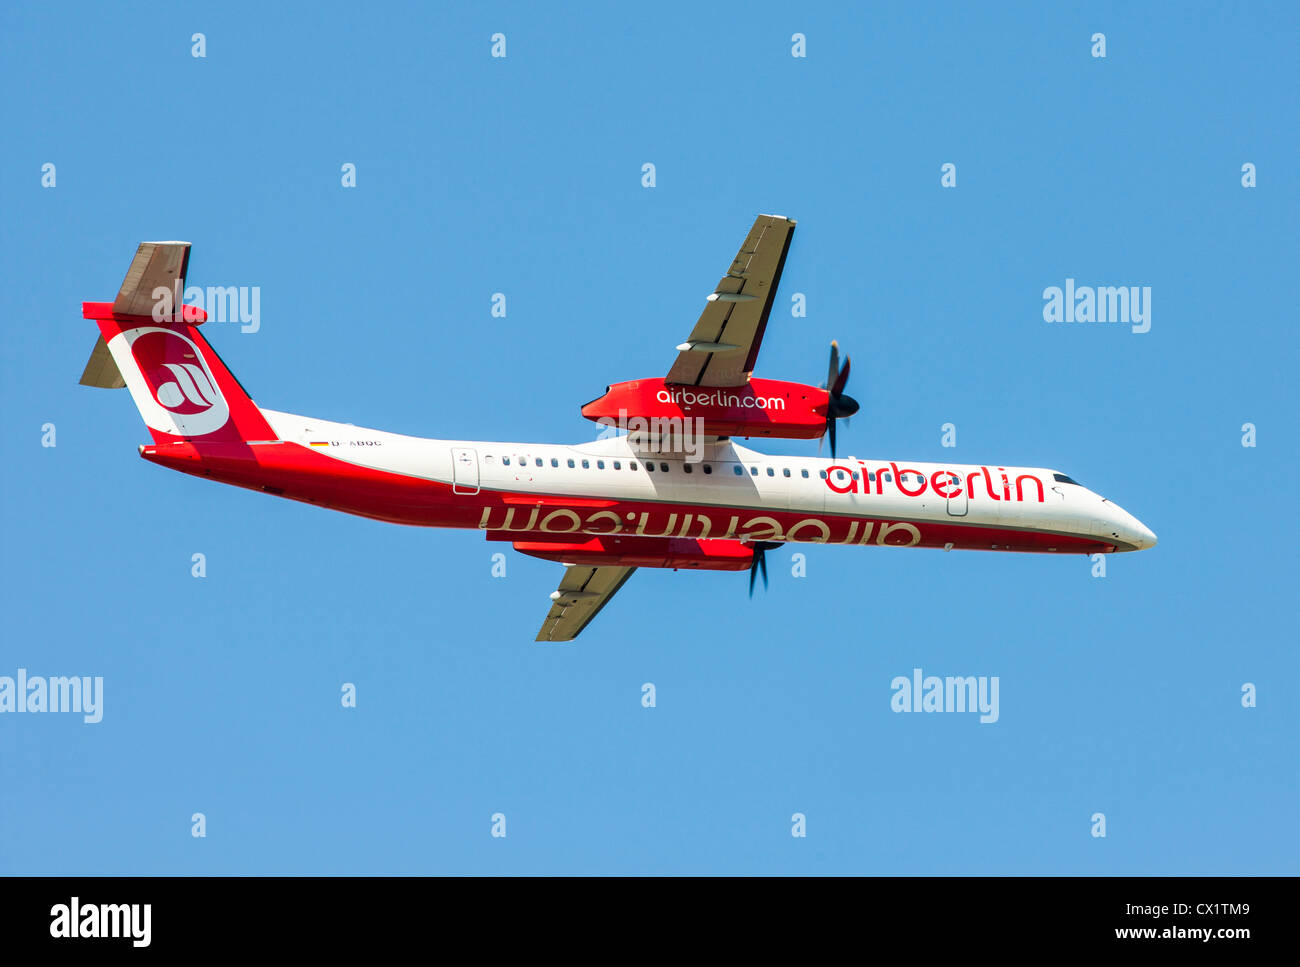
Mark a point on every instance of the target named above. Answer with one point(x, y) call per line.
point(320, 443)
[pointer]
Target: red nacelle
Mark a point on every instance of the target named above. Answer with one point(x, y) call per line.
point(761, 407)
point(674, 552)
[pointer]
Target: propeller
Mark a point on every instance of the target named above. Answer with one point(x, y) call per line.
point(840, 406)
point(760, 561)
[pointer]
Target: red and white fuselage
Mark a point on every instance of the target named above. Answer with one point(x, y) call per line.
point(537, 492)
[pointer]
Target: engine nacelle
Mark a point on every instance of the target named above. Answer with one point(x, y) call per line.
point(674, 552)
point(761, 407)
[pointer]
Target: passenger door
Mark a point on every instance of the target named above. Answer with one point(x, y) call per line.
point(464, 470)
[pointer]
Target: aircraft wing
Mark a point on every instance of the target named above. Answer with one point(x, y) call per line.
point(723, 346)
point(156, 264)
point(582, 593)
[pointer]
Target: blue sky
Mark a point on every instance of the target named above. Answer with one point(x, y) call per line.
point(1119, 695)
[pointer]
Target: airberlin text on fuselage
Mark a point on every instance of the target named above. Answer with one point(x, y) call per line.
point(720, 398)
point(945, 483)
point(699, 526)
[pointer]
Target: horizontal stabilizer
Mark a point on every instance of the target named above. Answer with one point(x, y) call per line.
point(101, 370)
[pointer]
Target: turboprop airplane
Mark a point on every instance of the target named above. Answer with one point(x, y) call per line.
point(674, 491)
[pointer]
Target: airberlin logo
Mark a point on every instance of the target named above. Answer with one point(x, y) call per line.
point(169, 381)
point(187, 392)
point(842, 479)
point(717, 397)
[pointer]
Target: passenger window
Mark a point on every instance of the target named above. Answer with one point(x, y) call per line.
point(539, 461)
point(804, 472)
point(554, 462)
point(871, 477)
point(631, 464)
point(570, 461)
point(708, 468)
point(822, 473)
point(688, 468)
point(771, 472)
point(506, 461)
point(663, 467)
point(786, 471)
point(854, 475)
point(740, 471)
point(600, 464)
point(753, 471)
point(839, 474)
point(650, 467)
point(617, 465)
point(586, 465)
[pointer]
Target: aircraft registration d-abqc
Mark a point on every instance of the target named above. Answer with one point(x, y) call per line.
point(675, 491)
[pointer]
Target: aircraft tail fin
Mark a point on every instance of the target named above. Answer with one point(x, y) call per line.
point(149, 342)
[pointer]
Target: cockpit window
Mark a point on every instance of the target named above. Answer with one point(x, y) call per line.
point(1062, 478)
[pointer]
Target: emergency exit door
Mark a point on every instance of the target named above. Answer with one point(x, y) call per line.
point(959, 504)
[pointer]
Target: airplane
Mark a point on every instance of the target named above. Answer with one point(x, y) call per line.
point(673, 491)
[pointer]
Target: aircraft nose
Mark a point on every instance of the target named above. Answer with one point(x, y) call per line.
point(1132, 531)
point(1144, 536)
point(1129, 533)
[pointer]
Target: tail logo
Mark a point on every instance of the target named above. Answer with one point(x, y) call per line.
point(188, 392)
point(170, 381)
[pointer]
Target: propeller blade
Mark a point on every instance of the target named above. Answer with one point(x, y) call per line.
point(837, 387)
point(839, 405)
point(759, 564)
